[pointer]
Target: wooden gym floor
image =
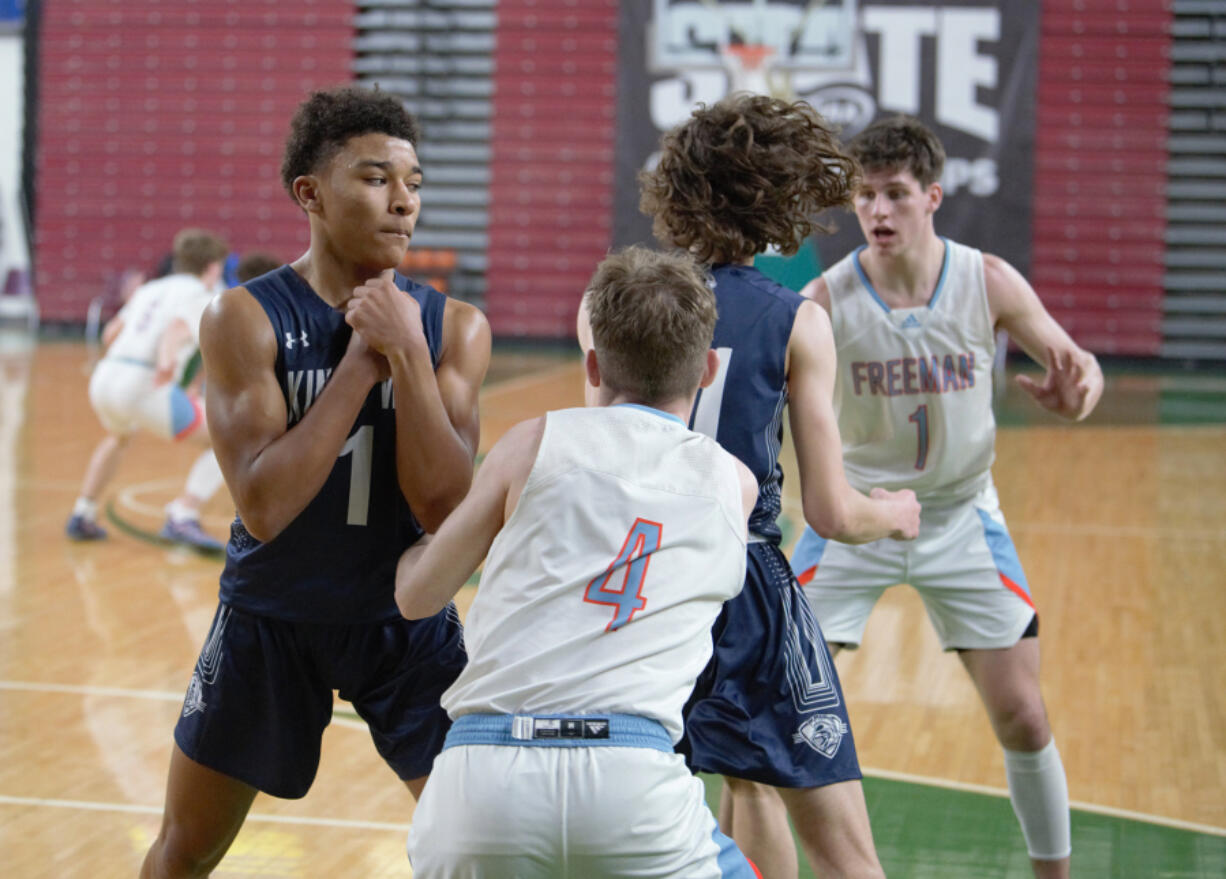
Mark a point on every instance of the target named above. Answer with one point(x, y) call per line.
point(1120, 523)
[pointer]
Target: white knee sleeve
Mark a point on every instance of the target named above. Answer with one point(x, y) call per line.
point(205, 477)
point(1039, 792)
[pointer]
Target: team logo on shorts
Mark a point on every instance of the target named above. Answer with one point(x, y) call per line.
point(823, 733)
point(194, 701)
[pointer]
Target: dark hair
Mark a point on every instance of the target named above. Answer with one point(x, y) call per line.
point(326, 120)
point(900, 143)
point(743, 174)
point(653, 318)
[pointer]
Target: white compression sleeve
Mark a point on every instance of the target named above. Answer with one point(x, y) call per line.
point(1039, 792)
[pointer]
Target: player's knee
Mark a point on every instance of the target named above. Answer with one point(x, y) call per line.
point(744, 790)
point(178, 854)
point(1023, 726)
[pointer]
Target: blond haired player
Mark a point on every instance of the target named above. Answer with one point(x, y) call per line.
point(615, 534)
point(915, 318)
point(133, 387)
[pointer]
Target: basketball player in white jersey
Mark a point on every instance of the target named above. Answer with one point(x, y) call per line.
point(915, 318)
point(134, 387)
point(614, 534)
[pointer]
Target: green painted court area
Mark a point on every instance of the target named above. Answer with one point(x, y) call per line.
point(929, 832)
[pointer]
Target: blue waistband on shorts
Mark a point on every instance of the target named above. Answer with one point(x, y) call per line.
point(559, 731)
point(131, 361)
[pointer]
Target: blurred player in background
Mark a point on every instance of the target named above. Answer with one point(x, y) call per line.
point(343, 404)
point(739, 176)
point(614, 536)
point(254, 263)
point(136, 386)
point(915, 318)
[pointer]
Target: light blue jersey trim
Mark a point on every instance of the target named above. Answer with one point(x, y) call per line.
point(868, 285)
point(732, 862)
point(653, 411)
point(1004, 554)
point(944, 274)
point(183, 413)
point(808, 552)
point(131, 361)
point(625, 731)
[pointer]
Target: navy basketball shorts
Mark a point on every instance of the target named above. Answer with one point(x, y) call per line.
point(769, 707)
point(261, 694)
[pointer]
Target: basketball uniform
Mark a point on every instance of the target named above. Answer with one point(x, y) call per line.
point(122, 389)
point(913, 395)
point(313, 610)
point(769, 706)
point(591, 622)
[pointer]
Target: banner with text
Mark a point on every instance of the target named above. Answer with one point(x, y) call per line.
point(967, 69)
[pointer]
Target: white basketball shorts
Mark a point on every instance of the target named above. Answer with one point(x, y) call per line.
point(126, 399)
point(553, 807)
point(963, 564)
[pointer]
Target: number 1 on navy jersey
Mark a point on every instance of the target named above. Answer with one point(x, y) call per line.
point(361, 445)
point(640, 543)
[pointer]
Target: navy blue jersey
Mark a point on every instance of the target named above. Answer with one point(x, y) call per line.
point(743, 407)
point(335, 562)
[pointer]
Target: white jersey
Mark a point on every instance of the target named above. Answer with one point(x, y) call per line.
point(913, 390)
point(151, 309)
point(599, 594)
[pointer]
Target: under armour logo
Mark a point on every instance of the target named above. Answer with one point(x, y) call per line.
point(290, 341)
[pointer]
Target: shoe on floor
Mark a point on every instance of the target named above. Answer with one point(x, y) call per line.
point(81, 528)
point(189, 533)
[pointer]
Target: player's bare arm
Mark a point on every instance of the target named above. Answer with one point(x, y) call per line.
point(272, 472)
point(432, 571)
point(437, 421)
point(174, 339)
point(111, 331)
point(832, 507)
point(1074, 382)
point(818, 292)
point(749, 489)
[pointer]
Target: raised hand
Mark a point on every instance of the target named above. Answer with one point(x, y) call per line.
point(1070, 388)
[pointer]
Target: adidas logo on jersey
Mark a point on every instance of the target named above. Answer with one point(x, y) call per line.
point(912, 322)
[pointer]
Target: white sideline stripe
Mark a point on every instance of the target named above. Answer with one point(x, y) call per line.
point(151, 695)
point(165, 696)
point(1110, 811)
point(135, 808)
point(127, 496)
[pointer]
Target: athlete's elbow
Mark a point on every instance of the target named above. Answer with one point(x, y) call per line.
point(413, 605)
point(261, 524)
point(433, 509)
point(831, 521)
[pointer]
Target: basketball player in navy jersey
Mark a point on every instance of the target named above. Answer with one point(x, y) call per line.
point(343, 404)
point(915, 318)
point(737, 177)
